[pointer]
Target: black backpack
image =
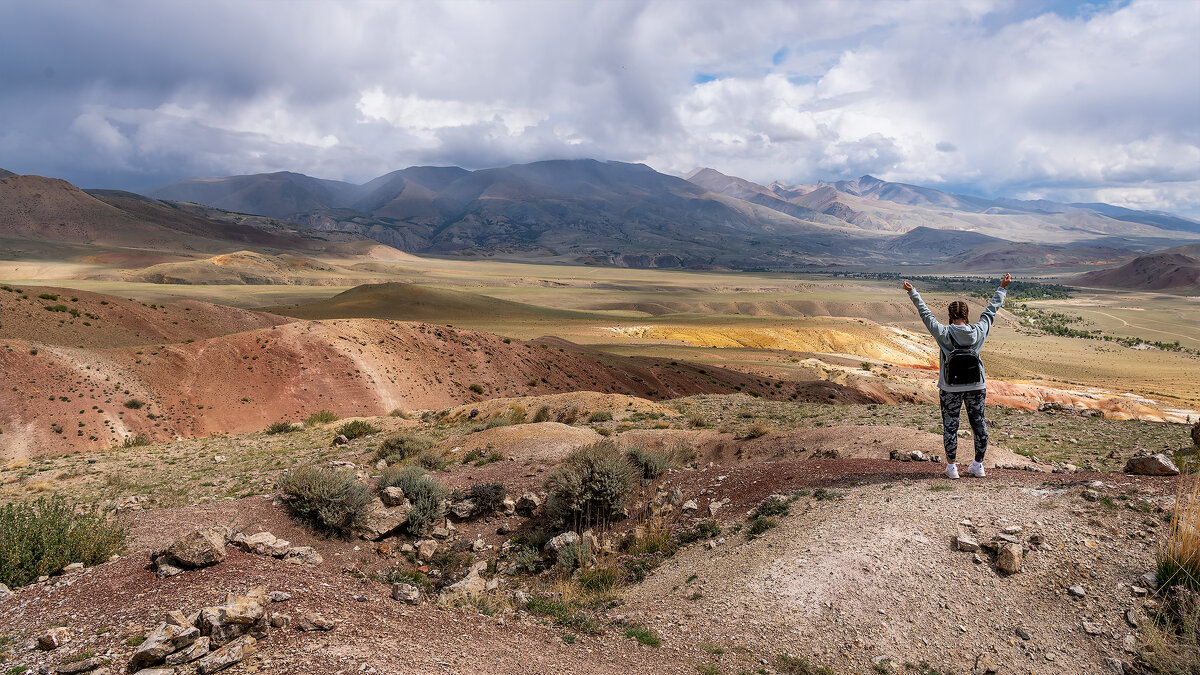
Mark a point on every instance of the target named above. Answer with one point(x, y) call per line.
point(963, 365)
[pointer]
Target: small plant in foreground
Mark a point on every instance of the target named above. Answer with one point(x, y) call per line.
point(425, 494)
point(794, 665)
point(643, 635)
point(321, 417)
point(333, 501)
point(280, 428)
point(707, 669)
point(940, 487)
point(823, 495)
point(42, 537)
point(773, 505)
point(592, 485)
point(357, 429)
point(563, 614)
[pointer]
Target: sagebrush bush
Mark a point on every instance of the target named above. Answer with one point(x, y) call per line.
point(135, 404)
point(402, 446)
point(425, 494)
point(321, 417)
point(568, 416)
point(357, 429)
point(592, 485)
point(600, 416)
point(487, 496)
point(42, 537)
point(331, 500)
point(652, 464)
point(280, 428)
point(542, 414)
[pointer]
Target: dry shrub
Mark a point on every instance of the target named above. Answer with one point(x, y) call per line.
point(542, 414)
point(569, 416)
point(651, 463)
point(591, 486)
point(41, 537)
point(1171, 642)
point(357, 429)
point(331, 500)
point(425, 494)
point(402, 446)
point(516, 413)
point(321, 417)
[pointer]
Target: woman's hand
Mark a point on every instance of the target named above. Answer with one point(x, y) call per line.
point(1006, 280)
point(908, 286)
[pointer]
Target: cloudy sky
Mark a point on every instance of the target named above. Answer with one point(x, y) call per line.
point(1063, 100)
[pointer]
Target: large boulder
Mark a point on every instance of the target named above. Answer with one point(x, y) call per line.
point(237, 617)
point(463, 509)
point(190, 653)
point(406, 593)
point(1009, 558)
point(1151, 465)
point(197, 549)
point(379, 521)
point(263, 543)
point(162, 641)
point(227, 656)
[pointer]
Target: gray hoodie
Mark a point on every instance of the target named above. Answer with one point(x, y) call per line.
point(967, 336)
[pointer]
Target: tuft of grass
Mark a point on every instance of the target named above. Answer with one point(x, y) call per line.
point(280, 428)
point(591, 486)
point(425, 494)
point(760, 524)
point(563, 614)
point(940, 487)
point(402, 446)
point(652, 464)
point(757, 430)
point(600, 416)
point(794, 665)
point(1178, 560)
point(41, 537)
point(823, 495)
point(643, 635)
point(357, 429)
point(568, 638)
point(707, 669)
point(320, 417)
point(331, 500)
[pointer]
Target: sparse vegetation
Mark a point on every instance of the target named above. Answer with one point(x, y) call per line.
point(135, 404)
point(477, 388)
point(280, 428)
point(425, 494)
point(320, 417)
point(357, 429)
point(43, 536)
point(643, 635)
point(135, 441)
point(591, 486)
point(652, 464)
point(331, 500)
point(402, 446)
point(487, 496)
point(600, 416)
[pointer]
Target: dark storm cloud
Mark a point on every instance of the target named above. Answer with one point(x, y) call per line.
point(1066, 101)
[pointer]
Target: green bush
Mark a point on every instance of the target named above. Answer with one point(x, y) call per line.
point(321, 417)
point(643, 635)
point(652, 464)
point(478, 389)
point(425, 494)
point(332, 500)
point(357, 429)
point(135, 404)
point(44, 536)
point(600, 416)
point(402, 446)
point(591, 486)
point(280, 428)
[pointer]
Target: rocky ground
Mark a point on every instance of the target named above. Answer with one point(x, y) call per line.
point(876, 565)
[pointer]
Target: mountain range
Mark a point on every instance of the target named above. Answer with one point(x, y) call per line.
point(585, 212)
point(613, 213)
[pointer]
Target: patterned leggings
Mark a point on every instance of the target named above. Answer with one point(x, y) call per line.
point(952, 402)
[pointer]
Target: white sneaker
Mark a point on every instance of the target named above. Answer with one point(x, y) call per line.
point(952, 471)
point(976, 470)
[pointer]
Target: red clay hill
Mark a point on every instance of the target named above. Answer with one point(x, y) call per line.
point(1173, 270)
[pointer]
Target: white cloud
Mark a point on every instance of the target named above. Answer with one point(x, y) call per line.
point(993, 97)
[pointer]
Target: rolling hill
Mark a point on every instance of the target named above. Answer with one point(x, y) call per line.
point(1175, 270)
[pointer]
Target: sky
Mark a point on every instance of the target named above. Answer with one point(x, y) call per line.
point(1060, 100)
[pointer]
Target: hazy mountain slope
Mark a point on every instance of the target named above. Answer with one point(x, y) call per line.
point(1175, 270)
point(1007, 256)
point(4, 173)
point(277, 195)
